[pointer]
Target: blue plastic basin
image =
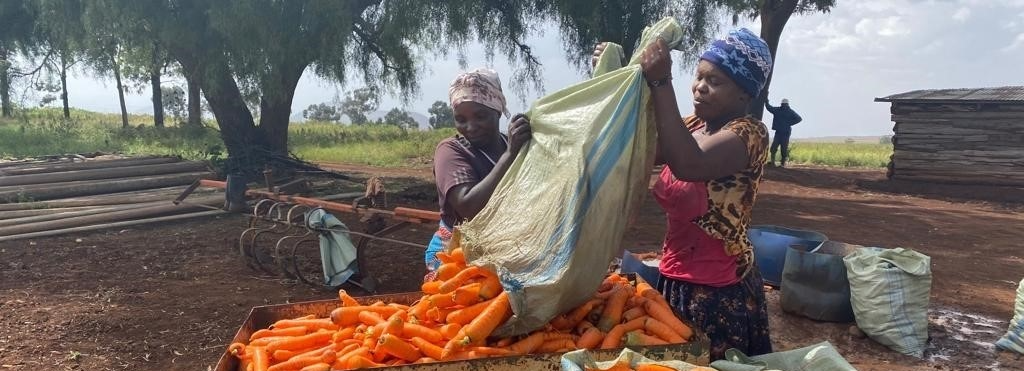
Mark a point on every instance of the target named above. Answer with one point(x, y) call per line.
point(770, 245)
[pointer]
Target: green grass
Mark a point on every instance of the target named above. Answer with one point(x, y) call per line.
point(43, 131)
point(387, 146)
point(840, 154)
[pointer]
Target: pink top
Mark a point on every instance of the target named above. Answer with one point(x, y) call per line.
point(689, 253)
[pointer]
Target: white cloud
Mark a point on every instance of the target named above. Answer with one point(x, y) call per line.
point(962, 15)
point(1017, 43)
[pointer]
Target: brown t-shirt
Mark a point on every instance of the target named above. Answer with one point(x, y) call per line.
point(456, 162)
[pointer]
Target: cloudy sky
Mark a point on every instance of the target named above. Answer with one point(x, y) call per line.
point(831, 66)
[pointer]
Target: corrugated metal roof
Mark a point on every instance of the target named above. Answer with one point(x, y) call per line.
point(994, 95)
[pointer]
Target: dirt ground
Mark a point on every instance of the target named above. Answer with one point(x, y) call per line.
point(169, 297)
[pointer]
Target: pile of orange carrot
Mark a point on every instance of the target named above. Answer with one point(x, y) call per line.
point(453, 321)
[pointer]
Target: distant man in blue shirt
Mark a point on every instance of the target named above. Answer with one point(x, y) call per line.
point(783, 118)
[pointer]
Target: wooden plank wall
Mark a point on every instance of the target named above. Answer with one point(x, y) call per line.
point(968, 143)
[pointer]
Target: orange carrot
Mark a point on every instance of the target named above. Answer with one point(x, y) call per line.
point(283, 355)
point(528, 344)
point(349, 316)
point(444, 257)
point(309, 324)
point(662, 331)
point(491, 286)
point(398, 348)
point(664, 314)
point(426, 360)
point(458, 255)
point(614, 337)
point(449, 270)
point(613, 309)
point(260, 358)
point(300, 342)
point(427, 347)
point(480, 328)
point(342, 362)
point(262, 342)
point(411, 330)
point(288, 331)
point(343, 334)
point(346, 299)
point(327, 357)
point(490, 351)
point(637, 338)
point(359, 361)
point(449, 331)
point(441, 300)
point(590, 339)
point(432, 287)
point(554, 345)
point(635, 301)
point(370, 318)
point(504, 342)
point(578, 314)
point(395, 324)
point(438, 315)
point(459, 279)
point(237, 350)
point(467, 295)
point(317, 367)
point(633, 313)
point(466, 315)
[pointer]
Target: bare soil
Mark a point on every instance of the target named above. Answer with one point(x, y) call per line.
point(169, 297)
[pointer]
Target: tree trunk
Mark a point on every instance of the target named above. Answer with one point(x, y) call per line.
point(774, 15)
point(120, 92)
point(276, 107)
point(5, 84)
point(195, 108)
point(64, 85)
point(237, 127)
point(154, 79)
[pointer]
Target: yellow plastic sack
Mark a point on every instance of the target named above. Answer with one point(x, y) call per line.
point(557, 217)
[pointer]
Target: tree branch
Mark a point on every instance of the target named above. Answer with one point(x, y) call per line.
point(371, 44)
point(46, 59)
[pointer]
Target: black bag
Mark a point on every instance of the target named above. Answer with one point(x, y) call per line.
point(814, 283)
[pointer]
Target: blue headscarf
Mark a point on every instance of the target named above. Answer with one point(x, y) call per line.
point(744, 57)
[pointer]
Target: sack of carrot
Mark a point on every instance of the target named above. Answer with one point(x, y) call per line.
point(453, 321)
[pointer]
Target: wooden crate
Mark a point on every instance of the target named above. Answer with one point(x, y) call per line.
point(695, 352)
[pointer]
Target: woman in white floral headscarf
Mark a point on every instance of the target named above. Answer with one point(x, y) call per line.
point(468, 166)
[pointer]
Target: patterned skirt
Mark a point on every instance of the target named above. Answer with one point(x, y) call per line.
point(734, 316)
point(437, 244)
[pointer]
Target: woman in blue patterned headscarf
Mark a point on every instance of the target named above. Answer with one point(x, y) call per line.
point(714, 162)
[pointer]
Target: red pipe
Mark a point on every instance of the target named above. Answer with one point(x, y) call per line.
point(403, 213)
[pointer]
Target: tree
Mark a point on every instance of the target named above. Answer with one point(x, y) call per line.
point(335, 39)
point(322, 112)
point(59, 38)
point(441, 115)
point(585, 23)
point(174, 101)
point(359, 103)
point(16, 32)
point(774, 14)
point(401, 118)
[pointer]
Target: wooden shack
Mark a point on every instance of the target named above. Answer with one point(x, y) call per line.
point(963, 136)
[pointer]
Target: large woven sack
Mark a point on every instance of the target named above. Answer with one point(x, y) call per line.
point(889, 292)
point(1014, 338)
point(817, 357)
point(557, 217)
